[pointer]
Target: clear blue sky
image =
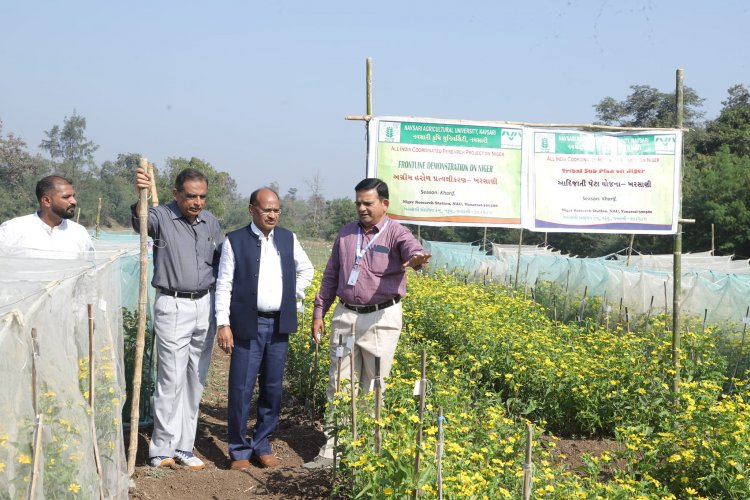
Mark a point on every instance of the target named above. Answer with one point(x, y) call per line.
point(260, 89)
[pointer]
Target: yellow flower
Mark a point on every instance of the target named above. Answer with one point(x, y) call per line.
point(388, 491)
point(24, 459)
point(2, 466)
point(73, 487)
point(414, 418)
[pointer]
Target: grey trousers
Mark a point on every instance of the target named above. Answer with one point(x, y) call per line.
point(185, 331)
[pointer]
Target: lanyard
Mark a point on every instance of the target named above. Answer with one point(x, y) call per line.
point(361, 251)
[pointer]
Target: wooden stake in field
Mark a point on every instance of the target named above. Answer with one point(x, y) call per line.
point(39, 416)
point(527, 466)
point(422, 392)
point(378, 405)
point(439, 448)
point(583, 304)
point(339, 356)
point(98, 217)
point(135, 397)
point(740, 355)
point(630, 250)
point(518, 258)
point(92, 369)
point(353, 386)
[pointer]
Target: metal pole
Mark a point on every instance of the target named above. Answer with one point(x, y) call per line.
point(677, 259)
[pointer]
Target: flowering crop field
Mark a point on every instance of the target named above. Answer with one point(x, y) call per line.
point(496, 363)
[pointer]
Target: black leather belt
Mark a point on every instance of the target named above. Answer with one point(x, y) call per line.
point(268, 314)
point(376, 307)
point(183, 295)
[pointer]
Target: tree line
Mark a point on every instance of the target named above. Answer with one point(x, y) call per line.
point(716, 181)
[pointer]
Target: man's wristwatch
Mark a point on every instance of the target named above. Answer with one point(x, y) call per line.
point(222, 326)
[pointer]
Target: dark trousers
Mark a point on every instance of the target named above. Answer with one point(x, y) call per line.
point(262, 358)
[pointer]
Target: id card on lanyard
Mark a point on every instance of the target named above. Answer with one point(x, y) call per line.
point(354, 274)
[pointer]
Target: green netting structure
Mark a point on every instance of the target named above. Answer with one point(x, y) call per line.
point(716, 289)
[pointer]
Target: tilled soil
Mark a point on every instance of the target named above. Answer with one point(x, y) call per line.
point(295, 442)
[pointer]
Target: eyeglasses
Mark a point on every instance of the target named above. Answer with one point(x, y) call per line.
point(267, 211)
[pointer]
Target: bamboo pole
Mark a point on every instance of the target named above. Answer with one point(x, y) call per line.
point(378, 405)
point(154, 192)
point(484, 239)
point(339, 356)
point(353, 387)
point(630, 250)
point(713, 236)
point(98, 217)
point(92, 369)
point(439, 448)
point(518, 261)
point(583, 305)
point(677, 259)
point(745, 321)
point(135, 397)
point(368, 76)
point(35, 404)
point(78, 216)
point(527, 466)
point(35, 460)
point(314, 380)
point(422, 393)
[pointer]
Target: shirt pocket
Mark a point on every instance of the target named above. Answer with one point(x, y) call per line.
point(379, 262)
point(206, 248)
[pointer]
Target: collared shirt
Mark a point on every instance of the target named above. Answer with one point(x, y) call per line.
point(31, 232)
point(269, 275)
point(381, 272)
point(186, 255)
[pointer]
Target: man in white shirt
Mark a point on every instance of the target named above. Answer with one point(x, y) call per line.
point(49, 228)
point(263, 272)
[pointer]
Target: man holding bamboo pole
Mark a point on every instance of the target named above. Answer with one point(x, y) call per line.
point(367, 272)
point(187, 241)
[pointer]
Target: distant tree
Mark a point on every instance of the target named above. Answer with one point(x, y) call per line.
point(717, 190)
point(69, 147)
point(338, 212)
point(647, 107)
point(115, 187)
point(316, 204)
point(19, 172)
point(731, 127)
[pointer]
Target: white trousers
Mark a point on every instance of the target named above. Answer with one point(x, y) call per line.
point(185, 331)
point(376, 334)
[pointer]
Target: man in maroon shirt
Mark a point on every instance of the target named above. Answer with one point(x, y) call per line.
point(367, 272)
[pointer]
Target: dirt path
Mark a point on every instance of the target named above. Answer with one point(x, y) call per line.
point(295, 442)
